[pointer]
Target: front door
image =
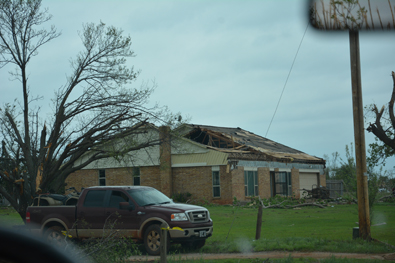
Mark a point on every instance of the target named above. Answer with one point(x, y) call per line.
point(126, 221)
point(281, 183)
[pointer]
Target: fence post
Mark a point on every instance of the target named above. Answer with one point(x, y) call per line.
point(259, 223)
point(163, 243)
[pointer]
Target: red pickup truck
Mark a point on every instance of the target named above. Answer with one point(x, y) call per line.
point(136, 211)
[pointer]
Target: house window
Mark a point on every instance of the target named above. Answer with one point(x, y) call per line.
point(102, 177)
point(136, 175)
point(216, 182)
point(281, 183)
point(251, 183)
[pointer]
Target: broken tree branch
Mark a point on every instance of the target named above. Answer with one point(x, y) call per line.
point(309, 204)
point(287, 206)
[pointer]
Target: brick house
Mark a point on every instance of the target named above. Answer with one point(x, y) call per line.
point(214, 164)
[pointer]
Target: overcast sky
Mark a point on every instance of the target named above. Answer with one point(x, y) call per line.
point(225, 63)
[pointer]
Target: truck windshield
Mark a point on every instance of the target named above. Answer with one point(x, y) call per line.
point(149, 196)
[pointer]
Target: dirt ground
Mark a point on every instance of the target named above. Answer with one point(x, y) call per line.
point(265, 255)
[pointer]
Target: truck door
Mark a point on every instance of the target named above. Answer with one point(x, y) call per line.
point(91, 215)
point(125, 220)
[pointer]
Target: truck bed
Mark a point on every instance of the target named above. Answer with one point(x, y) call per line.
point(41, 214)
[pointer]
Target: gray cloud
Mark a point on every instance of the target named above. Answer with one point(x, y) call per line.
point(225, 63)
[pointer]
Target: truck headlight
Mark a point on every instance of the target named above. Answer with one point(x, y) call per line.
point(179, 217)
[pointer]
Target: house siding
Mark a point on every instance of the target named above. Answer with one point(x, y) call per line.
point(208, 158)
point(83, 178)
point(322, 181)
point(264, 182)
point(149, 176)
point(195, 180)
point(237, 176)
point(198, 182)
point(295, 183)
point(185, 166)
point(282, 166)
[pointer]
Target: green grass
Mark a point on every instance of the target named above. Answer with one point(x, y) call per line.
point(305, 229)
point(277, 260)
point(384, 212)
point(9, 217)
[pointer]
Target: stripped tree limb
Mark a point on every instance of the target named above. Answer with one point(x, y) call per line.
point(280, 205)
point(307, 204)
point(386, 197)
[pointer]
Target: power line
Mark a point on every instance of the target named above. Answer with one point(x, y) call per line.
point(289, 73)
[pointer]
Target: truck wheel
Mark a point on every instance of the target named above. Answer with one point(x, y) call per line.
point(152, 239)
point(54, 235)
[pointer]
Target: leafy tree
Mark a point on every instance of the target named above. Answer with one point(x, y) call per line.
point(331, 165)
point(96, 105)
point(346, 170)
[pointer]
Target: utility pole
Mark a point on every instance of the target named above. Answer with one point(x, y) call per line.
point(359, 136)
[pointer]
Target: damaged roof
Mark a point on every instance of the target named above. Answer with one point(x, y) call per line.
point(242, 144)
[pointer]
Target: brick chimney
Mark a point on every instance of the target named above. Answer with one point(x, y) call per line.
point(166, 180)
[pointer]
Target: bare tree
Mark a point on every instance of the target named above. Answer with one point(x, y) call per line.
point(96, 106)
point(384, 129)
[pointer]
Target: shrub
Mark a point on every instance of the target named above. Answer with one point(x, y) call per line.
point(181, 197)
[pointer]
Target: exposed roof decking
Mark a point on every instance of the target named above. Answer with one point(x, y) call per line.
point(239, 143)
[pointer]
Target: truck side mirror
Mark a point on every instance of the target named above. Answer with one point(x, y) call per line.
point(125, 206)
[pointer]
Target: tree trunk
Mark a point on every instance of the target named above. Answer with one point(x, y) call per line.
point(22, 211)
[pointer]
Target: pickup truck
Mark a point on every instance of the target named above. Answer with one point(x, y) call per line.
point(136, 212)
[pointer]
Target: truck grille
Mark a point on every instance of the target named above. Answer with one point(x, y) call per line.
point(198, 216)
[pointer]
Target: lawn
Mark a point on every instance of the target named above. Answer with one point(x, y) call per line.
point(305, 229)
point(331, 223)
point(9, 217)
point(308, 228)
point(277, 260)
